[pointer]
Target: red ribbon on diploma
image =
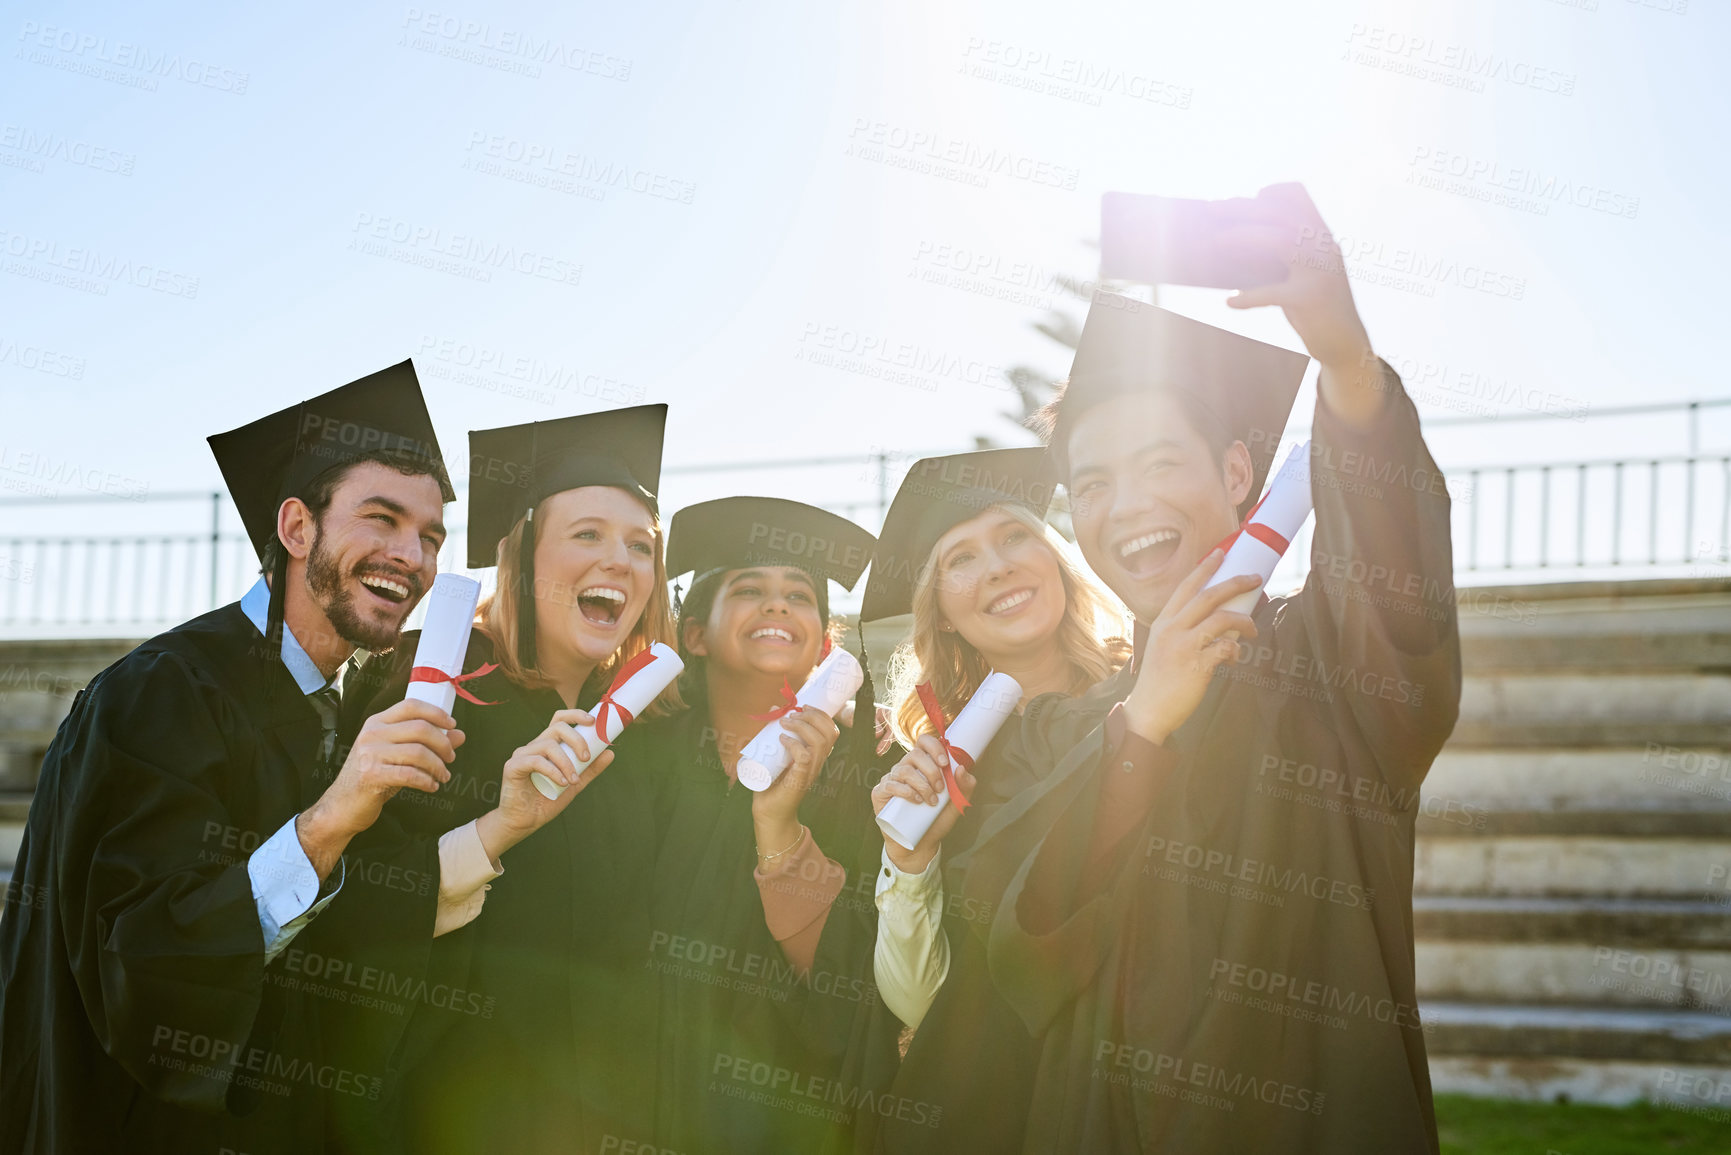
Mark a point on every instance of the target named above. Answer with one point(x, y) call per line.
point(1262, 533)
point(434, 674)
point(610, 705)
point(789, 705)
point(958, 756)
point(790, 700)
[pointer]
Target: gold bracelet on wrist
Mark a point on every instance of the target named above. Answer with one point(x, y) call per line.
point(762, 857)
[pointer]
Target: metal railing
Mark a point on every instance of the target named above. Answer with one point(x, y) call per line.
point(1627, 515)
point(122, 583)
point(119, 579)
point(1660, 498)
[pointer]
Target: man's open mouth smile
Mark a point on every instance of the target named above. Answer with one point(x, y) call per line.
point(1149, 553)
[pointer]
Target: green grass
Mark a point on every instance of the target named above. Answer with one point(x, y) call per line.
point(1472, 1126)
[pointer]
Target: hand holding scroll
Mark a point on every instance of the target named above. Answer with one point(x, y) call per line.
point(951, 750)
point(919, 778)
point(636, 684)
point(1190, 638)
point(407, 745)
point(811, 735)
point(523, 808)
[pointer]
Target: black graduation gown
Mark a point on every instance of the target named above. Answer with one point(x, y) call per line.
point(1244, 979)
point(543, 1039)
point(136, 1009)
point(751, 1058)
point(963, 1084)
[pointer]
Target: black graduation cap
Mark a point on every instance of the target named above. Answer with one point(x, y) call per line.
point(270, 460)
point(740, 532)
point(938, 494)
point(1129, 346)
point(514, 468)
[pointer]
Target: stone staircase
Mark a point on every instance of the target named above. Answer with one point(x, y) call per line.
point(1572, 904)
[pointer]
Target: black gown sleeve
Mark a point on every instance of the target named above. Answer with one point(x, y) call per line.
point(161, 937)
point(1378, 605)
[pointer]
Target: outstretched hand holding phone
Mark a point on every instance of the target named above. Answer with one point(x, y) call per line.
point(1275, 250)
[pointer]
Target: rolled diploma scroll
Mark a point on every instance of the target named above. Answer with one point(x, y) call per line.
point(631, 699)
point(831, 686)
point(971, 732)
point(445, 637)
point(1282, 510)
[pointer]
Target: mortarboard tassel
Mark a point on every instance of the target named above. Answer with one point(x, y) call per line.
point(863, 741)
point(526, 652)
point(273, 629)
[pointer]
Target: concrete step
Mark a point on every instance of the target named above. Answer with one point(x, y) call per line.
point(14, 809)
point(1652, 776)
point(1694, 1037)
point(1578, 865)
point(1444, 818)
point(1611, 922)
point(1606, 653)
point(1656, 791)
point(1679, 625)
point(1580, 975)
point(1585, 709)
point(1611, 1056)
point(1584, 951)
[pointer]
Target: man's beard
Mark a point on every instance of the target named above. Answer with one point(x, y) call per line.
point(325, 579)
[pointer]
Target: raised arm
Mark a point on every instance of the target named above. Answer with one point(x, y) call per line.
point(1379, 602)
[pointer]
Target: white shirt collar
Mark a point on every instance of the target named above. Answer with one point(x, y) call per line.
point(256, 606)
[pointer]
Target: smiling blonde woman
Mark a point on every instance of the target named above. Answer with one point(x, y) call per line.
point(965, 549)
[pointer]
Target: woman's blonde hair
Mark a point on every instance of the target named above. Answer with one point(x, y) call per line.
point(1091, 637)
point(497, 618)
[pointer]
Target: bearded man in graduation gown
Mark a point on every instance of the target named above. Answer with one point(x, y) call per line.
point(193, 811)
point(1205, 908)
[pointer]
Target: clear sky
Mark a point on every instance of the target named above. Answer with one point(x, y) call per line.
point(816, 228)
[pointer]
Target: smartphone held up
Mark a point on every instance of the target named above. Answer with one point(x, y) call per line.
point(1209, 244)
